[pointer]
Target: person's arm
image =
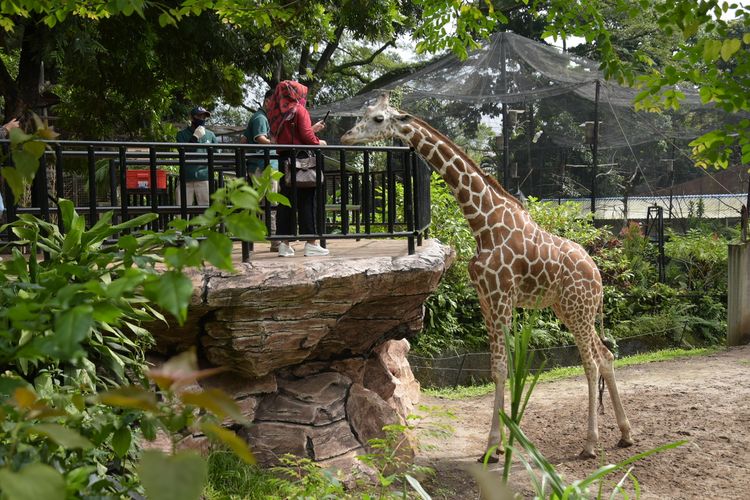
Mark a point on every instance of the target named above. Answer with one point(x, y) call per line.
point(5, 129)
point(259, 130)
point(305, 133)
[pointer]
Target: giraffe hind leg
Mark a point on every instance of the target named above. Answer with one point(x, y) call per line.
point(608, 373)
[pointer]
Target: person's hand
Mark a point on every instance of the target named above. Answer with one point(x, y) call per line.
point(323, 143)
point(12, 124)
point(318, 126)
point(199, 132)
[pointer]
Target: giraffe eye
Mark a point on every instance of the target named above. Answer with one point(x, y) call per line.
point(378, 118)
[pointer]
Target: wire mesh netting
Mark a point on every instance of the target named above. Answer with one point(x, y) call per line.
point(526, 112)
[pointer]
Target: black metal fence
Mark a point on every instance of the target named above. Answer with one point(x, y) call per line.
point(363, 192)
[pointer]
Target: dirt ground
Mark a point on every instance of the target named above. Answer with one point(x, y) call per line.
point(705, 400)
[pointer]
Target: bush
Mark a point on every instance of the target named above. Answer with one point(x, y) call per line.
point(70, 328)
point(689, 309)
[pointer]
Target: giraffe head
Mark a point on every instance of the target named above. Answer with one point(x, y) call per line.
point(380, 121)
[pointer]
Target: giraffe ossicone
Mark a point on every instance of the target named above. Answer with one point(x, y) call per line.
point(517, 263)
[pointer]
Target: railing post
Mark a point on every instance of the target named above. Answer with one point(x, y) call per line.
point(112, 187)
point(93, 216)
point(9, 198)
point(390, 187)
point(154, 194)
point(183, 186)
point(366, 191)
point(59, 185)
point(123, 184)
point(267, 209)
point(320, 194)
point(410, 164)
point(240, 168)
point(344, 193)
point(39, 189)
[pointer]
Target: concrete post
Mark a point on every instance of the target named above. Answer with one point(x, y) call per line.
point(738, 291)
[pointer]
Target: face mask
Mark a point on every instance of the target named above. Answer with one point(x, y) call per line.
point(197, 122)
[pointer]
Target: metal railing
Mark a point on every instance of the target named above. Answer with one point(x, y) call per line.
point(363, 192)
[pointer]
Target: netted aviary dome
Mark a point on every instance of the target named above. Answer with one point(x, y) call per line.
point(551, 100)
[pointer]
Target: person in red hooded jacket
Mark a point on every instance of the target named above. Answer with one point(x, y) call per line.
point(291, 124)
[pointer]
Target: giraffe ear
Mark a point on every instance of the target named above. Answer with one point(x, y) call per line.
point(403, 117)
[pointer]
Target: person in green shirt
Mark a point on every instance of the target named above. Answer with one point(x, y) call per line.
point(258, 131)
point(196, 174)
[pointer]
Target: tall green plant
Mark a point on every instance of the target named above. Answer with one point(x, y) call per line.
point(520, 378)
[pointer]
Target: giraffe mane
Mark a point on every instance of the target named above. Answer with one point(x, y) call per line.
point(491, 181)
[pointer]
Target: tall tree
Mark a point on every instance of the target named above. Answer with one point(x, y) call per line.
point(710, 44)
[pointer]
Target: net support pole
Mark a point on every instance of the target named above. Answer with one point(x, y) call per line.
point(671, 182)
point(506, 128)
point(595, 150)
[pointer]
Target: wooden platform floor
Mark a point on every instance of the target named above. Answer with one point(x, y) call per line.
point(340, 249)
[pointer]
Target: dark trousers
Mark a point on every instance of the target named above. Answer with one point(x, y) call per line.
point(305, 205)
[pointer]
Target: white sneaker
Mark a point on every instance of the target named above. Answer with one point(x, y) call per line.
point(285, 250)
point(312, 250)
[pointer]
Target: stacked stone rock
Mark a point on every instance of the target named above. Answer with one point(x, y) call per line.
point(316, 349)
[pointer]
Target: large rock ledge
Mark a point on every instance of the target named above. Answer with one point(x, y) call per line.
point(315, 347)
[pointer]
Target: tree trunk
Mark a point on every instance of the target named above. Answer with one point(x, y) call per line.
point(22, 95)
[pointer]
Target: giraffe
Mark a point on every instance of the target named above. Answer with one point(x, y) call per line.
point(516, 264)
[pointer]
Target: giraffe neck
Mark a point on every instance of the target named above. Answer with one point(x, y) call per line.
point(482, 199)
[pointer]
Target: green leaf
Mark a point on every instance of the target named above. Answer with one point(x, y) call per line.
point(217, 402)
point(25, 162)
point(106, 312)
point(65, 437)
point(139, 221)
point(125, 284)
point(246, 198)
point(245, 227)
point(68, 212)
point(278, 198)
point(33, 482)
point(711, 50)
point(729, 47)
point(71, 328)
point(73, 236)
point(133, 397)
point(690, 29)
point(18, 136)
point(217, 249)
point(34, 148)
point(121, 440)
point(14, 180)
point(8, 386)
point(232, 440)
point(172, 292)
point(176, 477)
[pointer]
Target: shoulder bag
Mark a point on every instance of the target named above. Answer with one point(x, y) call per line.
point(305, 171)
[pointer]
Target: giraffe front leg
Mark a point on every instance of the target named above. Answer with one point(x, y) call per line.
point(498, 322)
point(499, 373)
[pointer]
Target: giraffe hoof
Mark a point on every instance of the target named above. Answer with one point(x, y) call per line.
point(625, 443)
point(491, 459)
point(585, 454)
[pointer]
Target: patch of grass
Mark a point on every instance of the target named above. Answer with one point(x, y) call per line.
point(462, 392)
point(229, 478)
